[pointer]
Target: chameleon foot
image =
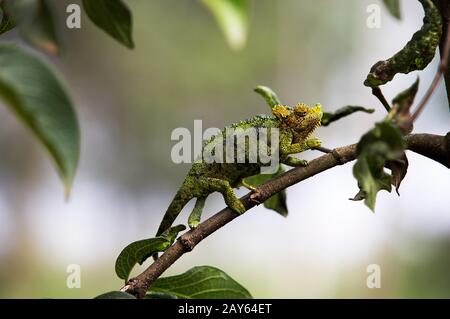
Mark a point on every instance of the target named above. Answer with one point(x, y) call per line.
point(295, 162)
point(196, 214)
point(313, 142)
point(227, 192)
point(238, 207)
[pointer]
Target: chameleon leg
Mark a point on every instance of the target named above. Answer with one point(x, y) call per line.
point(295, 162)
point(287, 148)
point(248, 186)
point(224, 187)
point(301, 147)
point(196, 214)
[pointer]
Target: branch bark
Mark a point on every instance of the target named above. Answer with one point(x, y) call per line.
point(435, 147)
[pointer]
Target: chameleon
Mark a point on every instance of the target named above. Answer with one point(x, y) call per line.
point(295, 126)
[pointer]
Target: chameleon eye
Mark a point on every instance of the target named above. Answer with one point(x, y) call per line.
point(301, 109)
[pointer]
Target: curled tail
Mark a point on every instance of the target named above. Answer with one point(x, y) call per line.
point(178, 202)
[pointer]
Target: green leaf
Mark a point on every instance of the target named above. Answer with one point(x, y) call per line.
point(204, 282)
point(393, 7)
point(399, 168)
point(371, 179)
point(278, 201)
point(31, 89)
point(269, 95)
point(35, 21)
point(405, 99)
point(328, 118)
point(113, 17)
point(6, 23)
point(416, 54)
point(401, 106)
point(115, 295)
point(232, 18)
point(138, 251)
point(383, 143)
point(159, 295)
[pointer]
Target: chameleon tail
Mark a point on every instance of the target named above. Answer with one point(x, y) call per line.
point(174, 209)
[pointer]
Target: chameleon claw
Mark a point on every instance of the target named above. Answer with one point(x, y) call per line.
point(238, 207)
point(193, 225)
point(303, 163)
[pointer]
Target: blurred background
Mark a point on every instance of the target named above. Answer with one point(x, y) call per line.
point(182, 69)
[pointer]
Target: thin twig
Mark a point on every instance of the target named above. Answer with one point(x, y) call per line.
point(442, 69)
point(323, 149)
point(444, 9)
point(377, 92)
point(435, 146)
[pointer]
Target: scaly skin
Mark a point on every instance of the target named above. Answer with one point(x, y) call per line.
point(295, 125)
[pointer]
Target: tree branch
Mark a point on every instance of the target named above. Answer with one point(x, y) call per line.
point(433, 146)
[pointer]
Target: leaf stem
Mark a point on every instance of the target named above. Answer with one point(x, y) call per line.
point(377, 92)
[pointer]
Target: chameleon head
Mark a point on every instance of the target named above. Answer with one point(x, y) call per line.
point(301, 119)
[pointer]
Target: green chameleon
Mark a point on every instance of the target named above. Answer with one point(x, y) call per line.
point(295, 126)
